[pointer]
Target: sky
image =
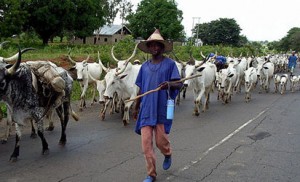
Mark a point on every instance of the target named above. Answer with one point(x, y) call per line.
point(259, 20)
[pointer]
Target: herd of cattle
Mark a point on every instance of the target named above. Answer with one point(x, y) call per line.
point(30, 95)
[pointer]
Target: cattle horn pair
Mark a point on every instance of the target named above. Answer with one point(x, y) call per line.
point(15, 66)
point(178, 60)
point(15, 57)
point(126, 61)
point(74, 62)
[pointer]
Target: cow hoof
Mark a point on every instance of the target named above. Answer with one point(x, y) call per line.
point(13, 159)
point(125, 123)
point(3, 141)
point(45, 152)
point(102, 117)
point(49, 128)
point(80, 109)
point(33, 135)
point(62, 142)
point(196, 114)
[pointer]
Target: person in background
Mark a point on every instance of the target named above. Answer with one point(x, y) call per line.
point(292, 62)
point(150, 110)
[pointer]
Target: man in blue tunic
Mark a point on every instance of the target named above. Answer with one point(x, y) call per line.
point(151, 109)
point(292, 62)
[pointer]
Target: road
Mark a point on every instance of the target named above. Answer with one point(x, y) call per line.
point(255, 141)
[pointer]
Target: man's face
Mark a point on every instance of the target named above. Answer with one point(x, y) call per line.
point(155, 48)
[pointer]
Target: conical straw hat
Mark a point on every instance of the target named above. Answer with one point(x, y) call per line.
point(156, 36)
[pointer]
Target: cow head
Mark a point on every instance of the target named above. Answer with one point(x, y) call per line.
point(81, 67)
point(113, 83)
point(7, 71)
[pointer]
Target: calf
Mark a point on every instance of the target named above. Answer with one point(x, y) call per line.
point(283, 82)
point(294, 81)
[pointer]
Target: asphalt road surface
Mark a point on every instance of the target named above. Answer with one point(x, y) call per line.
point(247, 142)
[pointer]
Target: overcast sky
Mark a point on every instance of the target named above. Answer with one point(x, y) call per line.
point(259, 19)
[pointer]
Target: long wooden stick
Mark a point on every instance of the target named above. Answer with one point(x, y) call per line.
point(158, 88)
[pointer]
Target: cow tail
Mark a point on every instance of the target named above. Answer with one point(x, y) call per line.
point(74, 114)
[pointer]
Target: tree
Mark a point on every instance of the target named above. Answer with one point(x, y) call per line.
point(124, 7)
point(161, 14)
point(12, 17)
point(48, 18)
point(291, 41)
point(90, 15)
point(223, 31)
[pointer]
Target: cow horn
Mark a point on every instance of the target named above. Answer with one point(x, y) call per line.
point(15, 57)
point(133, 54)
point(2, 43)
point(88, 57)
point(112, 54)
point(100, 63)
point(127, 60)
point(202, 55)
point(94, 79)
point(15, 66)
point(70, 59)
point(178, 60)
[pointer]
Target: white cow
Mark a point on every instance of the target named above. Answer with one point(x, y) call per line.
point(180, 67)
point(203, 85)
point(101, 84)
point(265, 72)
point(84, 69)
point(228, 78)
point(294, 82)
point(283, 83)
point(250, 82)
point(240, 65)
point(122, 82)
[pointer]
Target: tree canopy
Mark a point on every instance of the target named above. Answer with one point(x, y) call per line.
point(291, 41)
point(222, 31)
point(12, 17)
point(161, 14)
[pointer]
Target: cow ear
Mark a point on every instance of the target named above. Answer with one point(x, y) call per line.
point(123, 76)
point(200, 69)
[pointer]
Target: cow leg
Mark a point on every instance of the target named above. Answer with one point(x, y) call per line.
point(102, 113)
point(14, 156)
point(33, 132)
point(50, 127)
point(196, 108)
point(63, 121)
point(6, 134)
point(126, 113)
point(40, 126)
point(94, 94)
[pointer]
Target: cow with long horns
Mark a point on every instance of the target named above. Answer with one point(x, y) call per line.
point(84, 69)
point(28, 102)
point(122, 82)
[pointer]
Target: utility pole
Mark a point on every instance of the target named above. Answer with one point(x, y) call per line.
point(198, 22)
